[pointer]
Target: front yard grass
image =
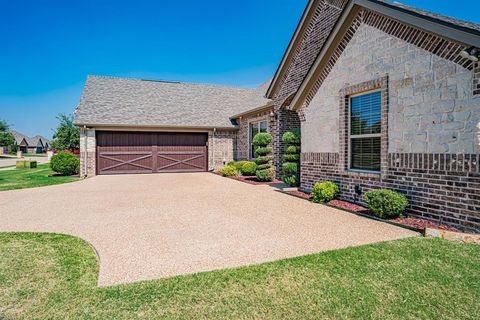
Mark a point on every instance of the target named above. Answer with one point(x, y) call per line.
point(54, 276)
point(30, 178)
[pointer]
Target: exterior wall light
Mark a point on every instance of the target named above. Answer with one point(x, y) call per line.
point(471, 53)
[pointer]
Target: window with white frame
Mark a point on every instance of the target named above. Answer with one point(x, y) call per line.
point(255, 128)
point(365, 131)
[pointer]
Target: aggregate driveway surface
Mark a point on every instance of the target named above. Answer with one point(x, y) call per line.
point(159, 225)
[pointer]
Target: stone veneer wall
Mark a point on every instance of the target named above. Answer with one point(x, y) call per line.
point(243, 133)
point(433, 122)
point(221, 148)
point(88, 145)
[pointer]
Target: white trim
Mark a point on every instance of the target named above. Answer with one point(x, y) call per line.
point(360, 136)
point(250, 155)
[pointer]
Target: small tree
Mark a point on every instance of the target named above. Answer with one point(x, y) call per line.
point(291, 157)
point(6, 137)
point(265, 170)
point(67, 135)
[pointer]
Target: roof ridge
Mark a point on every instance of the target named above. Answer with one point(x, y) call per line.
point(174, 82)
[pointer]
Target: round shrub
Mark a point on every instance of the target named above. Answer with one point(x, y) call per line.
point(324, 191)
point(263, 159)
point(386, 203)
point(239, 164)
point(229, 171)
point(290, 180)
point(291, 137)
point(263, 151)
point(230, 163)
point(65, 163)
point(248, 168)
point(266, 175)
point(262, 139)
point(290, 167)
point(292, 150)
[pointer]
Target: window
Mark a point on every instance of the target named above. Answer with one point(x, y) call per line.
point(254, 129)
point(365, 131)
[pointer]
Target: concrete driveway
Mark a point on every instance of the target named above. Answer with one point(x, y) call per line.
point(152, 226)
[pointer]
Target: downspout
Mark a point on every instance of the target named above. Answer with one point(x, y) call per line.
point(213, 148)
point(86, 151)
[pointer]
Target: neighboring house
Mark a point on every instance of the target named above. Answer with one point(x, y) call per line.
point(37, 144)
point(386, 96)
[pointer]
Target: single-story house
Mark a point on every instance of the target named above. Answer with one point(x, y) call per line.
point(36, 144)
point(386, 96)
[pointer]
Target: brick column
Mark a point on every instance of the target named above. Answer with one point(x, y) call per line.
point(88, 147)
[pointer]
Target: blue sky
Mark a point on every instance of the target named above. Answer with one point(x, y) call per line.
point(47, 48)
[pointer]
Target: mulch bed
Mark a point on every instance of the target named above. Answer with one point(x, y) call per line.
point(253, 180)
point(416, 223)
point(56, 174)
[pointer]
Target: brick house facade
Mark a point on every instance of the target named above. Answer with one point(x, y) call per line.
point(430, 108)
point(418, 65)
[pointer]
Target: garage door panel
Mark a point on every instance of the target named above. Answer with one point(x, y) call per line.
point(114, 157)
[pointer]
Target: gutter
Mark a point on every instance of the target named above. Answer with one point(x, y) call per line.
point(158, 127)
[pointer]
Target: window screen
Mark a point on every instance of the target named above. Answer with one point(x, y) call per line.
point(365, 131)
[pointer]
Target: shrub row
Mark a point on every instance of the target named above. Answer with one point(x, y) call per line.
point(383, 203)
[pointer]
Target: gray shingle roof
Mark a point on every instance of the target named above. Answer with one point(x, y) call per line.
point(37, 141)
point(136, 102)
point(19, 137)
point(458, 22)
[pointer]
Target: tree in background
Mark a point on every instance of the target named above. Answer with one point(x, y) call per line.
point(67, 135)
point(6, 137)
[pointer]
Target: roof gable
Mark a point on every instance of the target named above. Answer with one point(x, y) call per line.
point(443, 43)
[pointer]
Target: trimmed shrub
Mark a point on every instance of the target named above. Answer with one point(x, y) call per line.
point(262, 139)
point(291, 137)
point(386, 203)
point(248, 168)
point(263, 151)
point(239, 164)
point(230, 163)
point(291, 157)
point(266, 175)
point(65, 163)
point(290, 167)
point(25, 164)
point(324, 191)
point(229, 171)
point(263, 166)
point(292, 150)
point(265, 170)
point(263, 159)
point(290, 180)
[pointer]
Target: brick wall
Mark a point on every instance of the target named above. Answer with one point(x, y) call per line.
point(88, 149)
point(221, 148)
point(440, 187)
point(243, 133)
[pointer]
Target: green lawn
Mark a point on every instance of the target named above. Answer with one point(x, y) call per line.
point(30, 178)
point(54, 276)
point(34, 155)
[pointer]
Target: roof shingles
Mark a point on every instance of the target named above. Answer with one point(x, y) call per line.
point(134, 102)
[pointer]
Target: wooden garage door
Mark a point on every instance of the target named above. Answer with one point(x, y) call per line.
point(151, 152)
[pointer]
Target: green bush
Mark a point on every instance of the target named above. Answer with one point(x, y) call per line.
point(290, 167)
point(239, 164)
point(230, 163)
point(290, 180)
point(263, 160)
point(386, 203)
point(291, 137)
point(264, 166)
point(262, 139)
point(263, 151)
point(25, 164)
point(266, 175)
point(292, 150)
point(248, 168)
point(229, 171)
point(65, 163)
point(291, 157)
point(324, 191)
